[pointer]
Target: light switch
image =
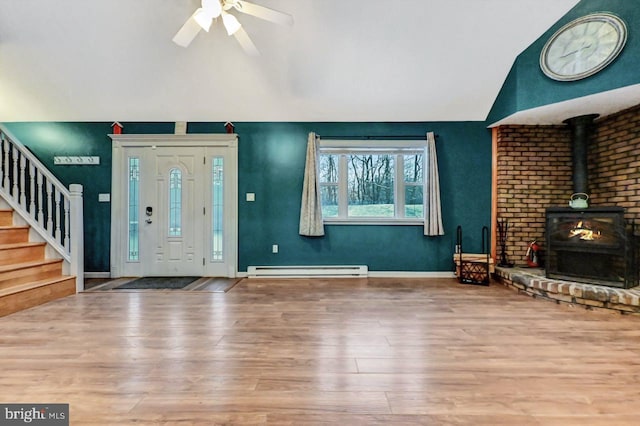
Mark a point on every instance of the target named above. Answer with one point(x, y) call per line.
point(251, 196)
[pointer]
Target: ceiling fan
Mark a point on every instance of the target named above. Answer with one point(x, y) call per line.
point(211, 10)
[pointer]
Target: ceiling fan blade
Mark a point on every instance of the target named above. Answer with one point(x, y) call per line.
point(246, 43)
point(187, 33)
point(264, 13)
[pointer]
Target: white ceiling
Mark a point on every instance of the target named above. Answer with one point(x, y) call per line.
point(343, 60)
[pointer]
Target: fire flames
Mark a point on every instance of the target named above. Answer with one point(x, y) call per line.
point(584, 233)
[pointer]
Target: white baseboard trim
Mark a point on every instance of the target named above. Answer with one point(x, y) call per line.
point(390, 274)
point(97, 274)
point(310, 271)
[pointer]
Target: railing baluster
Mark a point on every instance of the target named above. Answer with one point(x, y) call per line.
point(67, 223)
point(49, 226)
point(40, 205)
point(32, 189)
point(58, 229)
point(5, 163)
point(22, 195)
point(14, 191)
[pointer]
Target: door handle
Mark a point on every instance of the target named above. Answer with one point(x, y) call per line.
point(148, 221)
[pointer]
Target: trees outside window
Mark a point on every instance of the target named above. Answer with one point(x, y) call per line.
point(385, 184)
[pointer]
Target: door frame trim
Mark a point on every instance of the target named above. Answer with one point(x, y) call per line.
point(118, 203)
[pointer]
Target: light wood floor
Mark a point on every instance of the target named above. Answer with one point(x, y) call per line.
point(347, 352)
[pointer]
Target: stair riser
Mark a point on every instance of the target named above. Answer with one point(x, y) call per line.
point(23, 286)
point(35, 273)
point(26, 299)
point(14, 235)
point(6, 218)
point(21, 254)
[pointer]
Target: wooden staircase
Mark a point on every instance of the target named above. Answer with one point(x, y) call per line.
point(27, 277)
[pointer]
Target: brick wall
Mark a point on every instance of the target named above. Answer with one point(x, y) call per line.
point(614, 162)
point(534, 172)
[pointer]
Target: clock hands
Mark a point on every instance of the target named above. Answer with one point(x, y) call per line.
point(576, 51)
point(570, 53)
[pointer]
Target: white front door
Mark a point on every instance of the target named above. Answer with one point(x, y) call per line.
point(179, 207)
point(172, 211)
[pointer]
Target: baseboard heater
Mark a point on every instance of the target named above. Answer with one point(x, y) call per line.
point(346, 271)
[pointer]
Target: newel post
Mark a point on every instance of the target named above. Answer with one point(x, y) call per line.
point(76, 225)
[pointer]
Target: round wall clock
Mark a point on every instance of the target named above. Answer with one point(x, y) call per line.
point(583, 47)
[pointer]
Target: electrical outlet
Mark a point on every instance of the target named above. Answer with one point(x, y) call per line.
point(274, 248)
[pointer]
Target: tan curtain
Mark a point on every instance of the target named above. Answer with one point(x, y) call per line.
point(311, 207)
point(433, 212)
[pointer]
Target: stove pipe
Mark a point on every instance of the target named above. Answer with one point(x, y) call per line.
point(581, 127)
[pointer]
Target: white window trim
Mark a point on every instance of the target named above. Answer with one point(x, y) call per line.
point(346, 146)
point(350, 145)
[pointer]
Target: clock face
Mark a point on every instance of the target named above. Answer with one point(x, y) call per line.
point(583, 47)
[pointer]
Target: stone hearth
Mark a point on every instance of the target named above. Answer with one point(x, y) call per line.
point(534, 283)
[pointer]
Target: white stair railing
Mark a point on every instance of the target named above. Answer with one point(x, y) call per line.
point(53, 211)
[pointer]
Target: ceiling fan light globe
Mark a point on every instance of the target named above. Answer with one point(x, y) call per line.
point(203, 18)
point(231, 23)
point(213, 7)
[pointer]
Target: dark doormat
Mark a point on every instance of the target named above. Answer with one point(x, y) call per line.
point(172, 283)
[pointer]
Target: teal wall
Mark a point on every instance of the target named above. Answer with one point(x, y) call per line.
point(271, 164)
point(527, 87)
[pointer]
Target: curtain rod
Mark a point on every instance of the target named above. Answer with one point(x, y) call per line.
point(377, 137)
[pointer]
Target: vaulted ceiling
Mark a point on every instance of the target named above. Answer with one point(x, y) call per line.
point(343, 60)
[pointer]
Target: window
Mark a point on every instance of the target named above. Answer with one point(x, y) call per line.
point(217, 207)
point(133, 208)
point(175, 203)
point(364, 183)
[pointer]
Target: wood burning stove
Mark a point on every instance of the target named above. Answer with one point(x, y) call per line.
point(595, 245)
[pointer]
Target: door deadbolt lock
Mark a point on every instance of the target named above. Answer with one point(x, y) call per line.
point(149, 210)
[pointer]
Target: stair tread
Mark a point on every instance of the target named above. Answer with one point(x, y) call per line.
point(4, 227)
point(23, 265)
point(18, 245)
point(34, 284)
